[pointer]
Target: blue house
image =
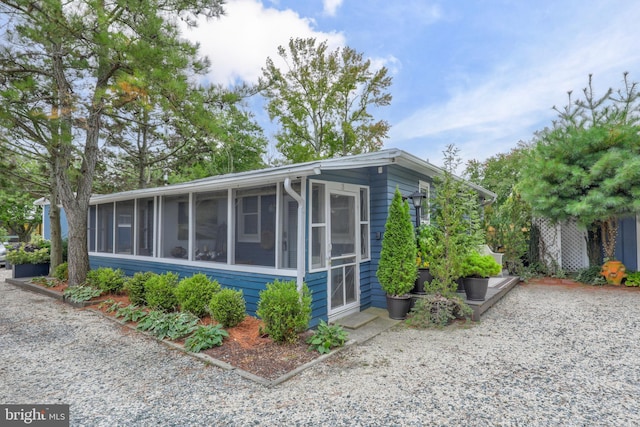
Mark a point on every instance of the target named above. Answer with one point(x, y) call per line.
point(319, 222)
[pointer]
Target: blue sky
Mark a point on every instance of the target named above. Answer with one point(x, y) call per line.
point(480, 74)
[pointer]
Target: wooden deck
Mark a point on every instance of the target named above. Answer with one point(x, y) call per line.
point(498, 287)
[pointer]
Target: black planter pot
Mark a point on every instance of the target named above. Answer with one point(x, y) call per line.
point(476, 288)
point(30, 270)
point(398, 307)
point(424, 275)
point(460, 282)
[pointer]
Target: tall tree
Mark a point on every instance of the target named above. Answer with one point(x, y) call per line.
point(587, 166)
point(63, 63)
point(322, 101)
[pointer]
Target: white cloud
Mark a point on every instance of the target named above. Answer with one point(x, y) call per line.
point(331, 6)
point(239, 42)
point(490, 113)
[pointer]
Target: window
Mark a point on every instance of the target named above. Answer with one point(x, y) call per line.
point(105, 228)
point(175, 227)
point(124, 234)
point(318, 226)
point(289, 228)
point(145, 212)
point(92, 228)
point(249, 219)
point(255, 240)
point(211, 226)
point(425, 209)
point(364, 223)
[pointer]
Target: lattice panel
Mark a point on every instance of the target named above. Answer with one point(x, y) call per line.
point(550, 249)
point(574, 247)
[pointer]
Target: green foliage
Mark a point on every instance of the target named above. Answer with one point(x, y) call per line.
point(476, 265)
point(17, 211)
point(168, 325)
point(587, 166)
point(326, 337)
point(284, 311)
point(35, 252)
point(61, 272)
point(437, 311)
point(397, 269)
point(135, 287)
point(591, 276)
point(458, 229)
point(228, 307)
point(81, 293)
point(107, 279)
point(633, 279)
point(426, 236)
point(205, 337)
point(195, 292)
point(131, 313)
point(160, 291)
point(322, 101)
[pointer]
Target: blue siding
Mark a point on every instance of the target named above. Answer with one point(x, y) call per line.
point(249, 283)
point(47, 224)
point(317, 283)
point(627, 244)
point(383, 187)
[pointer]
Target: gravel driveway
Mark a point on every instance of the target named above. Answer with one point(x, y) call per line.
point(545, 355)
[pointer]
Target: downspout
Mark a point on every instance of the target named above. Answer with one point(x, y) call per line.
point(301, 227)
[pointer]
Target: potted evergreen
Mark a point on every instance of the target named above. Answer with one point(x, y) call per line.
point(476, 270)
point(397, 268)
point(426, 235)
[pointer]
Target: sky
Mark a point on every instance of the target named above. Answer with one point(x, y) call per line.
point(480, 74)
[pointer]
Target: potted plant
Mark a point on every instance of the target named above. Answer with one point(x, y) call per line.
point(476, 270)
point(426, 241)
point(30, 259)
point(397, 268)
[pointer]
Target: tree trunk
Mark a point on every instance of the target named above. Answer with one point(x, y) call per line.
point(56, 236)
point(609, 228)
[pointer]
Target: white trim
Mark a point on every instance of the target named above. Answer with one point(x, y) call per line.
point(638, 241)
point(243, 268)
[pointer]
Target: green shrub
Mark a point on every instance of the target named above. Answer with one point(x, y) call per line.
point(61, 272)
point(160, 291)
point(476, 265)
point(327, 337)
point(228, 307)
point(28, 254)
point(130, 313)
point(81, 293)
point(205, 337)
point(591, 276)
point(106, 279)
point(135, 287)
point(195, 292)
point(437, 311)
point(284, 313)
point(633, 279)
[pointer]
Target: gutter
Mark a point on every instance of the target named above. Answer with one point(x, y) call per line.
point(301, 226)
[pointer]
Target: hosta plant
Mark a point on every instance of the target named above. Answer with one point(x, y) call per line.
point(327, 337)
point(205, 337)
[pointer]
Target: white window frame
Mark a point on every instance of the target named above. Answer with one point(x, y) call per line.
point(243, 236)
point(424, 187)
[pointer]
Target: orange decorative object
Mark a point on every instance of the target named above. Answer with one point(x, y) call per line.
point(613, 272)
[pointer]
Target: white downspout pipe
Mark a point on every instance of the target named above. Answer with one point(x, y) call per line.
point(300, 262)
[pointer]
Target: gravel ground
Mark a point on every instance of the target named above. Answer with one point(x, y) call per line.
point(545, 355)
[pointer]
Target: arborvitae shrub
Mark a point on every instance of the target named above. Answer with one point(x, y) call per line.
point(160, 291)
point(195, 292)
point(228, 307)
point(135, 287)
point(106, 279)
point(284, 313)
